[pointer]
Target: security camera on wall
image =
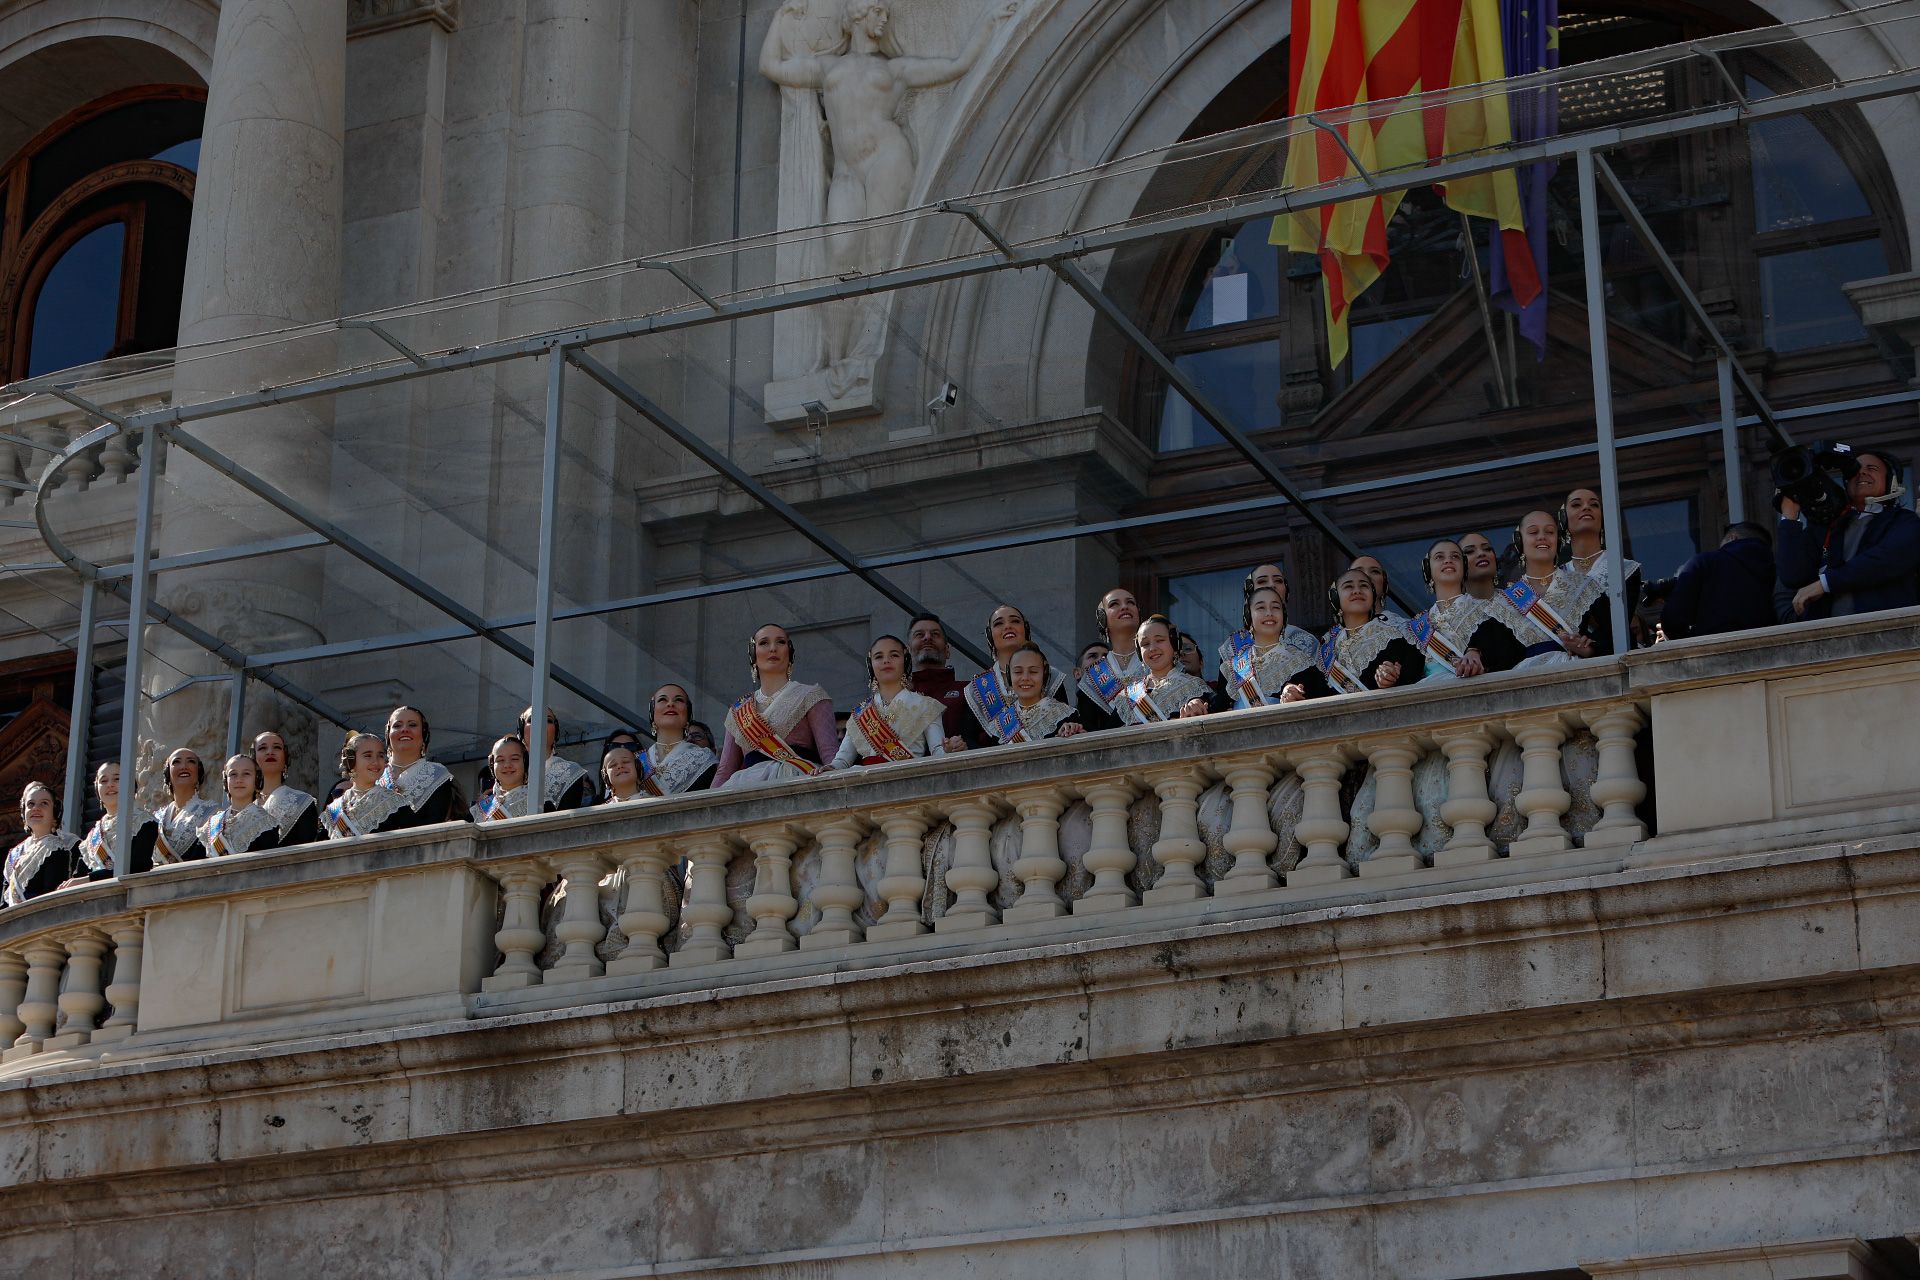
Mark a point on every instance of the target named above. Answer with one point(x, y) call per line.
point(948, 397)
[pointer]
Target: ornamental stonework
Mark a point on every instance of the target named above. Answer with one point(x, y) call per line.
point(367, 16)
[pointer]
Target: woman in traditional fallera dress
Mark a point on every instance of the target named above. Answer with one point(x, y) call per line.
point(181, 818)
point(783, 729)
point(674, 764)
point(1040, 714)
point(989, 694)
point(1366, 649)
point(244, 826)
point(424, 784)
point(506, 795)
point(1461, 635)
point(896, 723)
point(1267, 661)
point(1560, 605)
point(367, 806)
point(48, 858)
point(568, 785)
point(96, 848)
point(1102, 693)
point(1161, 690)
point(296, 812)
point(1583, 525)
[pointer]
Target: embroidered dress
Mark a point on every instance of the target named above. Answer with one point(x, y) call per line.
point(295, 812)
point(495, 805)
point(248, 830)
point(1446, 629)
point(1163, 696)
point(1294, 659)
point(1574, 597)
point(914, 720)
point(1350, 657)
point(569, 786)
point(1103, 689)
point(1045, 718)
point(180, 830)
point(96, 847)
point(1598, 626)
point(427, 788)
point(775, 760)
point(674, 770)
point(41, 864)
point(362, 813)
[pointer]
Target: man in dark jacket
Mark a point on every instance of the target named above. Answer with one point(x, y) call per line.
point(1867, 559)
point(1730, 589)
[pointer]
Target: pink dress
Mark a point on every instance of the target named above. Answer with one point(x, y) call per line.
point(802, 714)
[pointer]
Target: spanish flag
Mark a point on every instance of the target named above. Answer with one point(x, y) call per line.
point(1349, 60)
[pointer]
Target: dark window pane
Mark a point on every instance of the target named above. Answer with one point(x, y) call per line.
point(1238, 279)
point(137, 131)
point(1662, 537)
point(1798, 179)
point(1243, 381)
point(76, 317)
point(1207, 607)
point(1373, 342)
point(1801, 297)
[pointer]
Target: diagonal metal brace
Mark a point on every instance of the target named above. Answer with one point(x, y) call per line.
point(643, 405)
point(985, 228)
point(381, 332)
point(1678, 283)
point(1082, 284)
point(386, 567)
point(86, 406)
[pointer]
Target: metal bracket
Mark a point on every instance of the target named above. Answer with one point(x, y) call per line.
point(87, 406)
point(673, 269)
point(381, 332)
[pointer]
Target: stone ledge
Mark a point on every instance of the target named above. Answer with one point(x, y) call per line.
point(1797, 648)
point(365, 17)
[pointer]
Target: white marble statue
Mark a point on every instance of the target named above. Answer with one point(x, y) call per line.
point(845, 156)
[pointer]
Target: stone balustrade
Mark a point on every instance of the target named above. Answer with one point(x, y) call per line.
point(53, 424)
point(1405, 793)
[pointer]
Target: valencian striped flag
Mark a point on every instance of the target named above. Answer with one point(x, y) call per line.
point(1349, 55)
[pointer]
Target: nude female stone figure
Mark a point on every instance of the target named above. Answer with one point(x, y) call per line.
point(862, 83)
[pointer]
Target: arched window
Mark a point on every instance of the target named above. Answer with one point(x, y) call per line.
point(1767, 229)
point(94, 239)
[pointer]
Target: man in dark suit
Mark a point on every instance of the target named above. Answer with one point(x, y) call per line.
point(1867, 559)
point(1728, 589)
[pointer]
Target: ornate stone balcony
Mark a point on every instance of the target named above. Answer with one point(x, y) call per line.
point(1550, 873)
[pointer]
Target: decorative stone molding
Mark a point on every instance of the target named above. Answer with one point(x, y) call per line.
point(364, 17)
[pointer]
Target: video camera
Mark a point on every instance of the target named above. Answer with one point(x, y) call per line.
point(1815, 476)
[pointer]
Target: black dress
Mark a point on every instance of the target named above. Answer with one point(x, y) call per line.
point(427, 788)
point(1359, 652)
point(41, 864)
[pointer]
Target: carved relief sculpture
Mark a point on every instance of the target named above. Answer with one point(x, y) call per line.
point(845, 156)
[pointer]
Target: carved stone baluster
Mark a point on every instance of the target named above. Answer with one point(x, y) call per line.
point(519, 937)
point(13, 989)
point(1250, 836)
point(772, 903)
point(643, 916)
point(580, 926)
point(1109, 856)
point(1039, 867)
point(1543, 795)
point(129, 937)
point(116, 459)
point(972, 876)
point(15, 460)
point(903, 884)
point(837, 893)
point(1616, 785)
point(706, 911)
point(40, 1005)
point(1395, 819)
point(1467, 809)
point(81, 1001)
point(1321, 828)
point(1179, 847)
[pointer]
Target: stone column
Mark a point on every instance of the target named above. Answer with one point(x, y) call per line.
point(519, 936)
point(1616, 785)
point(772, 903)
point(1467, 808)
point(1109, 856)
point(263, 254)
point(1179, 848)
point(1250, 836)
point(643, 917)
point(124, 992)
point(972, 876)
point(904, 883)
point(1395, 818)
point(1543, 795)
point(705, 911)
point(1321, 828)
point(39, 1006)
point(837, 893)
point(580, 926)
point(1039, 866)
point(13, 989)
point(81, 1001)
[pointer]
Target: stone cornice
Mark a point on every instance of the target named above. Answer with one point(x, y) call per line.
point(365, 17)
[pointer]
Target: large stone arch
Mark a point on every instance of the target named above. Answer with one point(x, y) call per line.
point(1083, 82)
point(58, 55)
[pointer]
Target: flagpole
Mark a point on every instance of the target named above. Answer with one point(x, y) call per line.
point(1486, 312)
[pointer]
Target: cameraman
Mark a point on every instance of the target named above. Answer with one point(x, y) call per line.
point(1867, 558)
point(1730, 589)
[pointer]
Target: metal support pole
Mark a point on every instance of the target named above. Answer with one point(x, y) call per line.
point(692, 443)
point(1730, 445)
point(236, 711)
point(1603, 398)
point(82, 713)
point(152, 443)
point(1082, 284)
point(543, 580)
